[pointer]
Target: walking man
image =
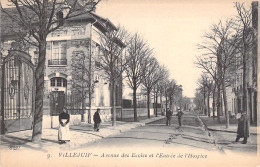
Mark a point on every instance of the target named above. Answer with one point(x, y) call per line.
point(168, 117)
point(179, 115)
point(243, 127)
point(97, 120)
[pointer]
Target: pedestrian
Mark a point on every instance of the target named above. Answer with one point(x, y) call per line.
point(64, 131)
point(97, 120)
point(168, 117)
point(179, 115)
point(243, 127)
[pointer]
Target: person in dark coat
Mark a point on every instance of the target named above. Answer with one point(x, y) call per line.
point(97, 120)
point(243, 128)
point(64, 132)
point(168, 117)
point(179, 115)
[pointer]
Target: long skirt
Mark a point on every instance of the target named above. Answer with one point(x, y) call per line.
point(64, 133)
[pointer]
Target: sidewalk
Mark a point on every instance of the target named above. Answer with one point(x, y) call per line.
point(213, 125)
point(224, 138)
point(81, 135)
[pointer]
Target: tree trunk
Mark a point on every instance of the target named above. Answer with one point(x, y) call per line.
point(225, 102)
point(213, 101)
point(39, 77)
point(161, 103)
point(208, 103)
point(83, 109)
point(89, 111)
point(113, 103)
point(244, 74)
point(166, 100)
point(204, 101)
point(148, 103)
point(90, 78)
point(218, 102)
point(134, 102)
point(156, 105)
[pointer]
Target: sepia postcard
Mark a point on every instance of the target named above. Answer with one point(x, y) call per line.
point(91, 83)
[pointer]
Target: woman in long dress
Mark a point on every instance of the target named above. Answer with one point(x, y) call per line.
point(64, 131)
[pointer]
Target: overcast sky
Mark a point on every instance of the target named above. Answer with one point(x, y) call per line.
point(172, 27)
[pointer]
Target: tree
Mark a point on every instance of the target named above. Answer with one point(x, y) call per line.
point(178, 96)
point(36, 20)
point(82, 76)
point(137, 52)
point(198, 100)
point(151, 76)
point(173, 92)
point(186, 103)
point(111, 60)
point(159, 87)
point(219, 45)
point(244, 20)
point(206, 83)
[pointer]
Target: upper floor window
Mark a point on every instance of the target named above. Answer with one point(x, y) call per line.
point(59, 49)
point(58, 53)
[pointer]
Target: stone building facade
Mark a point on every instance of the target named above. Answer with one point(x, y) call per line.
point(78, 36)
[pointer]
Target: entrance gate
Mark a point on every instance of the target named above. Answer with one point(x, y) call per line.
point(17, 92)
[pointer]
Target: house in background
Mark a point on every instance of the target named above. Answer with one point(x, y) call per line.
point(77, 38)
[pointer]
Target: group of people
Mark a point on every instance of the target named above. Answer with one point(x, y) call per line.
point(64, 119)
point(169, 116)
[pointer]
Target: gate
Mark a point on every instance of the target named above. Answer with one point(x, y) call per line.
point(57, 102)
point(17, 92)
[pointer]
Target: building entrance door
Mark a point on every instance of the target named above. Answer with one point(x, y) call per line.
point(57, 102)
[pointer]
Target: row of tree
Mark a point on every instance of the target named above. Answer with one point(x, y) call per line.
point(139, 66)
point(32, 21)
point(225, 49)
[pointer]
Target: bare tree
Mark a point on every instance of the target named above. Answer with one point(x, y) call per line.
point(219, 45)
point(82, 76)
point(206, 83)
point(244, 20)
point(152, 75)
point(159, 87)
point(172, 91)
point(137, 52)
point(112, 61)
point(36, 20)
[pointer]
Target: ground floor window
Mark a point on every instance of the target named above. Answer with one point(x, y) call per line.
point(58, 82)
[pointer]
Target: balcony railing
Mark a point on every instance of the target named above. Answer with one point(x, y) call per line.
point(57, 62)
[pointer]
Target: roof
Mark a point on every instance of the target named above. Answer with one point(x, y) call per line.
point(100, 22)
point(10, 28)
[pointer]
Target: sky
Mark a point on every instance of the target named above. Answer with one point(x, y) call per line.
point(172, 27)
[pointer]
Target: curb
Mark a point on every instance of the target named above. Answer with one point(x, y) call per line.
point(228, 131)
point(209, 134)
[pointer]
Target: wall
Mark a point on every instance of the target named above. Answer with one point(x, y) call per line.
point(129, 112)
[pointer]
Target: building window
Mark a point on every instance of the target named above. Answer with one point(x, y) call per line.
point(58, 56)
point(53, 82)
point(58, 82)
